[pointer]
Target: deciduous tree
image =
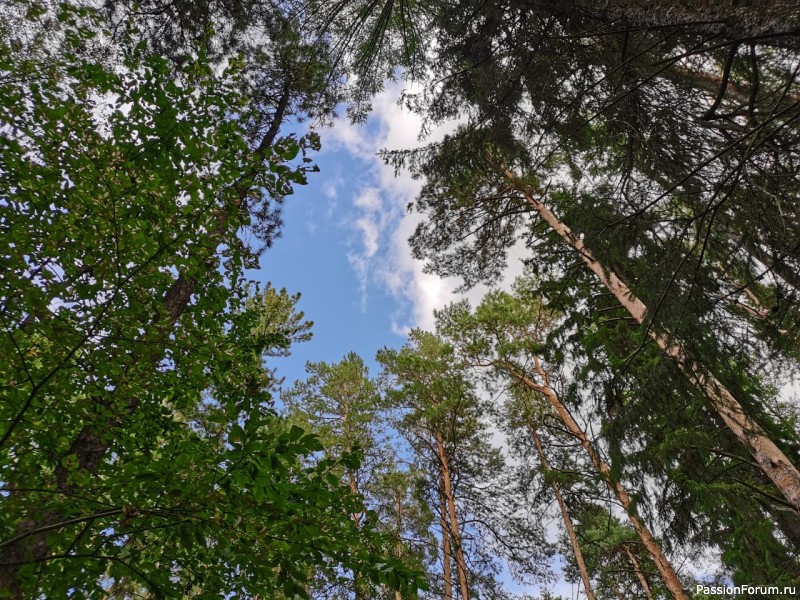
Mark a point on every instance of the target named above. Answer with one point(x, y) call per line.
point(139, 449)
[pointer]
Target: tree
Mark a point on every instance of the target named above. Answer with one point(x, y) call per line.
point(284, 71)
point(494, 63)
point(396, 500)
point(443, 420)
point(139, 448)
point(507, 196)
point(525, 413)
point(612, 551)
point(659, 149)
point(645, 159)
point(504, 335)
point(439, 404)
point(762, 22)
point(339, 403)
point(686, 468)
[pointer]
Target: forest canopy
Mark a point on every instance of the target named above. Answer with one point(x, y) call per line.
point(619, 411)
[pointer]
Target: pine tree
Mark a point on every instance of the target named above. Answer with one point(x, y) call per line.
point(524, 418)
point(705, 487)
point(443, 419)
point(504, 335)
point(339, 403)
point(440, 420)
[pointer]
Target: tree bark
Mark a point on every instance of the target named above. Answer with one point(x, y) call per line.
point(573, 538)
point(639, 575)
point(447, 576)
point(769, 457)
point(398, 548)
point(455, 530)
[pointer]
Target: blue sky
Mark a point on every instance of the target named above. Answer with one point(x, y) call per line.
point(343, 245)
point(344, 248)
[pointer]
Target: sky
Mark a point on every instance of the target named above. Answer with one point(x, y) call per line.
point(344, 243)
point(344, 248)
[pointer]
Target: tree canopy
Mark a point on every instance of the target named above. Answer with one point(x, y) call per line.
point(140, 449)
point(617, 408)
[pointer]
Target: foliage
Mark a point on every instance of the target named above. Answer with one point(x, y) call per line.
point(341, 404)
point(139, 449)
point(444, 420)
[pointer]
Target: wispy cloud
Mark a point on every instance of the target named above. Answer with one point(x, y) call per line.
point(371, 218)
point(383, 257)
point(331, 187)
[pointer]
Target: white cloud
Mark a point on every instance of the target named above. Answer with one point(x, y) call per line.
point(384, 257)
point(370, 220)
point(331, 187)
point(360, 266)
point(370, 230)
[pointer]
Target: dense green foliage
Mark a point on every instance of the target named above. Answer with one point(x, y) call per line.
point(140, 450)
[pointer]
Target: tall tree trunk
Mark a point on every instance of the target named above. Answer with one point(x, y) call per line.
point(640, 576)
point(447, 576)
point(573, 538)
point(774, 22)
point(651, 545)
point(398, 547)
point(769, 457)
point(455, 530)
point(353, 485)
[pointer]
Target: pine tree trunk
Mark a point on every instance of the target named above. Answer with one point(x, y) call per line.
point(707, 82)
point(573, 538)
point(769, 457)
point(351, 483)
point(447, 576)
point(461, 563)
point(651, 545)
point(640, 576)
point(398, 548)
